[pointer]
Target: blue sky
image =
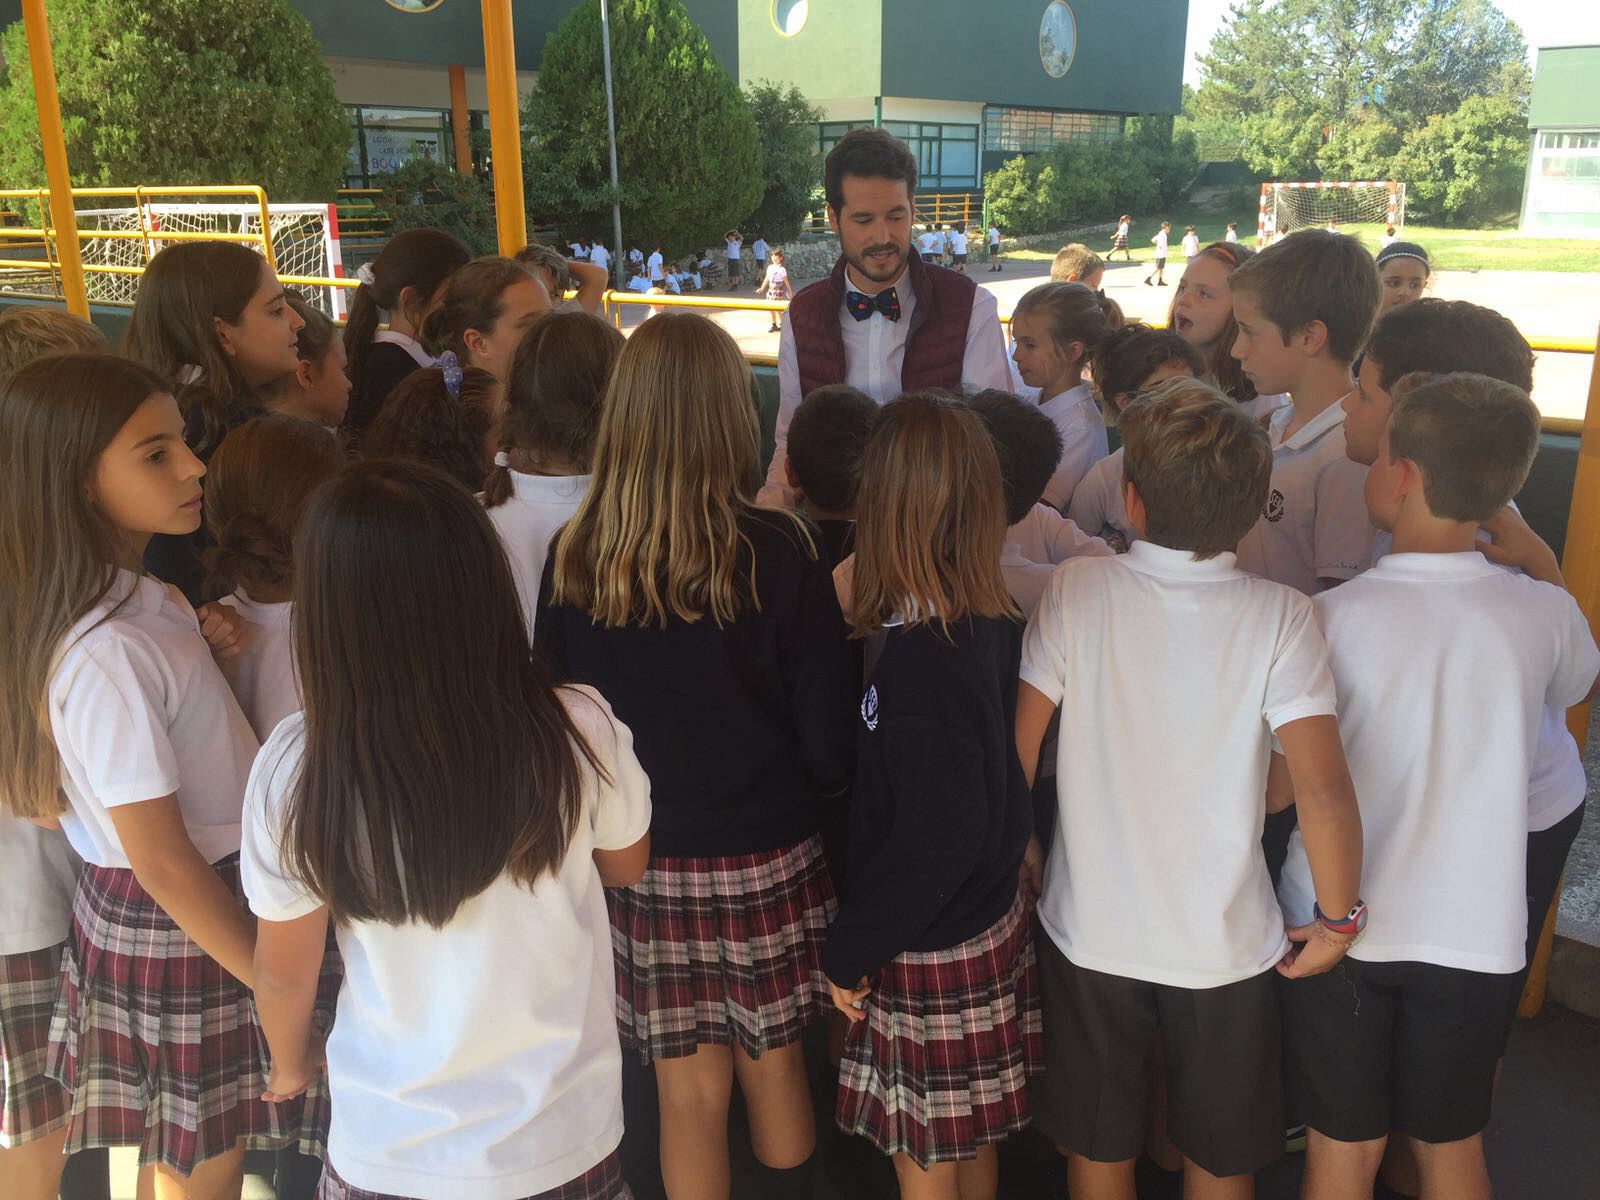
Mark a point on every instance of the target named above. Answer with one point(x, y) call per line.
point(1544, 23)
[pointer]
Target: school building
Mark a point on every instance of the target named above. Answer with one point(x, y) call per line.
point(1562, 192)
point(966, 86)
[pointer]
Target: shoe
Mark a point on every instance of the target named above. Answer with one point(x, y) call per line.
point(1147, 282)
point(772, 329)
point(1161, 283)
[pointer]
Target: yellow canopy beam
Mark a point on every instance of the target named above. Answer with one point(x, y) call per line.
point(505, 129)
point(63, 216)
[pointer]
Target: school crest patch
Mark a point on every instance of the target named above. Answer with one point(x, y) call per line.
point(869, 708)
point(1275, 506)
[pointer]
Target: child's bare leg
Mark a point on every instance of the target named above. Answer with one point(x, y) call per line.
point(32, 1171)
point(1090, 1180)
point(1201, 1184)
point(694, 1094)
point(1340, 1170)
point(938, 1182)
point(979, 1178)
point(1400, 1167)
point(1453, 1170)
point(219, 1178)
point(783, 1130)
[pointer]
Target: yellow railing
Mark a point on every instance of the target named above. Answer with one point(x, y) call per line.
point(361, 213)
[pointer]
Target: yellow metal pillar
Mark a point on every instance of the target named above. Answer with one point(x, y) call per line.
point(460, 119)
point(48, 101)
point(1580, 566)
point(505, 130)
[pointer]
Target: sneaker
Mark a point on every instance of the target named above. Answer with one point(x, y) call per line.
point(1147, 282)
point(1161, 283)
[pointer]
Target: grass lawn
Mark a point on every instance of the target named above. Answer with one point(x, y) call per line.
point(1451, 249)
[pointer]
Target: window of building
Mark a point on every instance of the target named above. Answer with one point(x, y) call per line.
point(1582, 140)
point(385, 139)
point(1030, 130)
point(947, 155)
point(829, 133)
point(1563, 192)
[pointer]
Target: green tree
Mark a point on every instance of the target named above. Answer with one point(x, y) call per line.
point(688, 153)
point(1455, 50)
point(180, 92)
point(426, 192)
point(1466, 166)
point(1018, 194)
point(791, 166)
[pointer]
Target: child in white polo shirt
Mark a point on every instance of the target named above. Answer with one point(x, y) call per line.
point(1303, 307)
point(1160, 916)
point(1445, 665)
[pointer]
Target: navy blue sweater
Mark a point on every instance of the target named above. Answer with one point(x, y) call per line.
point(941, 811)
point(741, 729)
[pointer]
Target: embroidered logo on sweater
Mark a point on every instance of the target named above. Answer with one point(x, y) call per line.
point(869, 708)
point(1275, 507)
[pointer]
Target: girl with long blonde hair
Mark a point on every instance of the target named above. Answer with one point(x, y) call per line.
point(931, 958)
point(711, 625)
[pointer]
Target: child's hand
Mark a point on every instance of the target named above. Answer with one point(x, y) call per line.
point(225, 631)
point(1316, 949)
point(852, 1002)
point(290, 1079)
point(1031, 877)
point(1513, 543)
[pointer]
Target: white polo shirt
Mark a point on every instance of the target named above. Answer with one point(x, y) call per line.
point(759, 249)
point(958, 242)
point(1191, 245)
point(538, 506)
point(263, 675)
point(478, 1061)
point(1045, 536)
point(1025, 579)
point(994, 235)
point(653, 265)
point(874, 353)
point(1315, 525)
point(1083, 441)
point(1097, 505)
point(735, 249)
point(1445, 665)
point(140, 711)
point(1160, 243)
point(600, 257)
point(1171, 674)
point(38, 876)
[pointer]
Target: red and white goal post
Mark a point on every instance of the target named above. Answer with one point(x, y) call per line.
point(1286, 207)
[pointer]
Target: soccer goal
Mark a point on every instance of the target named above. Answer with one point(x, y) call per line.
point(1286, 207)
point(305, 243)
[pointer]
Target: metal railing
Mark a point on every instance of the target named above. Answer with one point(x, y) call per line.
point(962, 209)
point(362, 213)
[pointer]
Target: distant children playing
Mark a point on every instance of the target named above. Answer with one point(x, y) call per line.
point(1303, 308)
point(1158, 911)
point(1403, 1038)
point(1119, 239)
point(1158, 275)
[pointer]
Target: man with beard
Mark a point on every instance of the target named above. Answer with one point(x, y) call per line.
point(884, 321)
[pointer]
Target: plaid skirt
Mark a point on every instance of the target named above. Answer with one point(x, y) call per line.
point(313, 1111)
point(603, 1181)
point(158, 1045)
point(34, 1104)
point(722, 951)
point(940, 1065)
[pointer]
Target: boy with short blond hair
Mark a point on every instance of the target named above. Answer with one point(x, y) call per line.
point(1076, 263)
point(1444, 665)
point(34, 331)
point(1303, 307)
point(1159, 915)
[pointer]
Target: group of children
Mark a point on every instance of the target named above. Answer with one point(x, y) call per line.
point(947, 245)
point(310, 740)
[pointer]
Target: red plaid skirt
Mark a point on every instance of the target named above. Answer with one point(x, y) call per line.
point(718, 951)
point(940, 1065)
point(158, 1044)
point(313, 1112)
point(34, 1104)
point(603, 1181)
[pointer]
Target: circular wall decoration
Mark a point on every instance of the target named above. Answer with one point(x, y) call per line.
point(1058, 39)
point(789, 16)
point(414, 6)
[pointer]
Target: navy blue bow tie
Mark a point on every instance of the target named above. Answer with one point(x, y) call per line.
point(862, 306)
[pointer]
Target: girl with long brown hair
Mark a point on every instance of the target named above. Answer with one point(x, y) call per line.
point(212, 320)
point(541, 471)
point(115, 720)
point(931, 957)
point(711, 625)
point(398, 290)
point(1202, 315)
point(453, 816)
point(484, 310)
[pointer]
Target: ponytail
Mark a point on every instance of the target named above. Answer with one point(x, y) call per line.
point(497, 484)
point(1073, 313)
point(419, 259)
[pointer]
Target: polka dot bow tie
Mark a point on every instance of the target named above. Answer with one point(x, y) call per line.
point(862, 306)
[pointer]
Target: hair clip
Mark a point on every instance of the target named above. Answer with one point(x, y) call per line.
point(451, 366)
point(366, 275)
point(502, 459)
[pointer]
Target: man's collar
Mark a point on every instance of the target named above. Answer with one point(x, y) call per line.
point(851, 283)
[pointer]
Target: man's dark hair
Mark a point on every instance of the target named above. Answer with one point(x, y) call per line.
point(1445, 336)
point(826, 437)
point(868, 154)
point(1026, 442)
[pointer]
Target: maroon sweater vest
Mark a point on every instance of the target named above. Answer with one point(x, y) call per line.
point(935, 346)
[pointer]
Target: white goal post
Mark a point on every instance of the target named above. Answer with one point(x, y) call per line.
point(305, 243)
point(1286, 207)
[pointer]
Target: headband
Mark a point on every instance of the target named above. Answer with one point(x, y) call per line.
point(451, 366)
point(1404, 250)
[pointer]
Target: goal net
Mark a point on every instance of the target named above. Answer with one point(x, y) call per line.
point(305, 243)
point(1350, 207)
